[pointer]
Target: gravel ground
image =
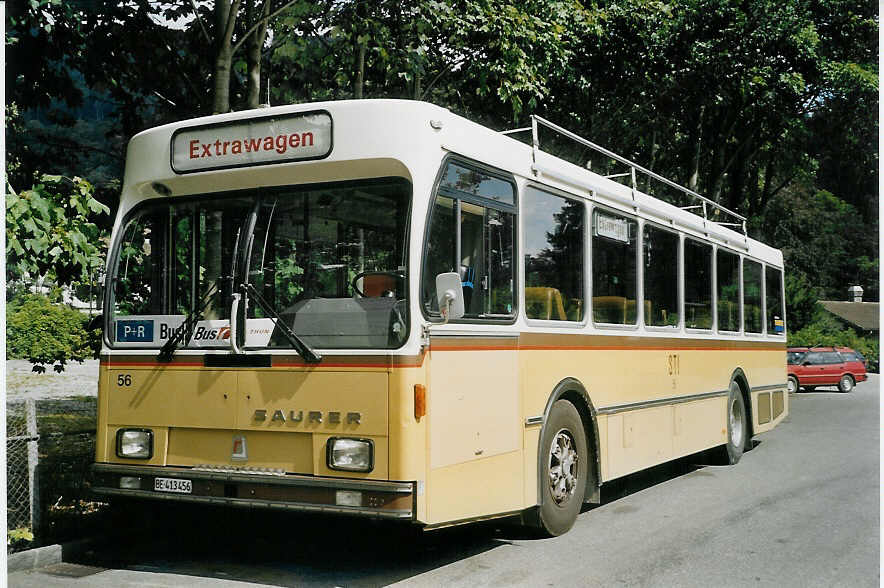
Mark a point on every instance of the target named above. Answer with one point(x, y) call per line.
point(78, 379)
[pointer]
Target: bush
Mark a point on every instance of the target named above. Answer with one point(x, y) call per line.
point(48, 334)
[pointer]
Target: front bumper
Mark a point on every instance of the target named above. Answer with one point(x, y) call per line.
point(245, 488)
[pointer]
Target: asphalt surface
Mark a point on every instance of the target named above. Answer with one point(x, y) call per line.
point(77, 379)
point(801, 509)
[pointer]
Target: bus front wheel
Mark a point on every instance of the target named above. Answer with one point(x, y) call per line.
point(564, 469)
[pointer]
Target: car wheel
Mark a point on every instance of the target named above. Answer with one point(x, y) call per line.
point(792, 384)
point(564, 469)
point(845, 384)
point(737, 424)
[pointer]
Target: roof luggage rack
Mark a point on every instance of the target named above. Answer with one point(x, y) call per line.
point(704, 207)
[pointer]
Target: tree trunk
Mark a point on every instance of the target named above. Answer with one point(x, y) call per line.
point(360, 71)
point(716, 178)
point(694, 178)
point(359, 65)
point(254, 45)
point(223, 64)
point(649, 189)
point(225, 20)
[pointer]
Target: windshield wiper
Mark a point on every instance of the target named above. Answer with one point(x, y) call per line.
point(186, 328)
point(306, 352)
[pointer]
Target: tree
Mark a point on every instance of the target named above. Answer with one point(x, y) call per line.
point(50, 234)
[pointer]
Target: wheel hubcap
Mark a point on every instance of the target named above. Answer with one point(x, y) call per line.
point(792, 386)
point(736, 419)
point(846, 384)
point(563, 460)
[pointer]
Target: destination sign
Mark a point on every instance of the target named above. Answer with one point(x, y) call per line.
point(256, 141)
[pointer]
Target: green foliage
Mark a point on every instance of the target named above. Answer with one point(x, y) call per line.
point(50, 234)
point(826, 246)
point(18, 538)
point(48, 334)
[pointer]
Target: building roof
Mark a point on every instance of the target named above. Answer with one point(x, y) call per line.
point(864, 315)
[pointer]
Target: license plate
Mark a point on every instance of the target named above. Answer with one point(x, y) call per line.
point(173, 485)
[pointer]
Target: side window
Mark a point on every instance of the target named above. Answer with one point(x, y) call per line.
point(751, 296)
point(480, 208)
point(697, 284)
point(553, 246)
point(773, 279)
point(823, 357)
point(660, 258)
point(614, 265)
point(727, 266)
point(441, 249)
point(813, 358)
point(832, 357)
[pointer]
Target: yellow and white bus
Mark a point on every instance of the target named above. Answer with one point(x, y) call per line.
point(380, 308)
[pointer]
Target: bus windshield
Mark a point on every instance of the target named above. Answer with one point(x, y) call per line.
point(329, 260)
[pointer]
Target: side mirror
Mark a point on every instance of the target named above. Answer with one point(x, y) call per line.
point(449, 293)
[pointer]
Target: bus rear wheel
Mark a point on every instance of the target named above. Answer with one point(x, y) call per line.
point(564, 469)
point(737, 424)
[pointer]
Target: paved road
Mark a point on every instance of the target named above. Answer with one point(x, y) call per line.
point(801, 509)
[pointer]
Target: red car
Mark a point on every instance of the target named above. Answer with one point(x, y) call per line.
point(824, 366)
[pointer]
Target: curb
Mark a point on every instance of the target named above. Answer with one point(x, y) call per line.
point(48, 555)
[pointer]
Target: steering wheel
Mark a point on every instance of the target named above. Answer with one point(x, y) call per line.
point(387, 293)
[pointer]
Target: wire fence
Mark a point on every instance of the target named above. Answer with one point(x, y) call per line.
point(50, 446)
point(21, 464)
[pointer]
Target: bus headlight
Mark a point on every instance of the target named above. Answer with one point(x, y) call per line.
point(351, 455)
point(135, 443)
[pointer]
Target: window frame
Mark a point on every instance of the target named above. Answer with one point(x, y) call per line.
point(713, 302)
point(679, 272)
point(586, 261)
point(639, 319)
point(781, 297)
point(717, 322)
point(459, 196)
point(743, 260)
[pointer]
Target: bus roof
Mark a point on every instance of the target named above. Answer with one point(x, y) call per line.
point(376, 137)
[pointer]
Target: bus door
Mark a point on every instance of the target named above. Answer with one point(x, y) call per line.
point(473, 393)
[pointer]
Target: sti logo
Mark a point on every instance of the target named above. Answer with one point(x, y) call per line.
point(135, 331)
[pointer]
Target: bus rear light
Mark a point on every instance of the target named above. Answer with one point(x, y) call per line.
point(420, 401)
point(135, 443)
point(350, 455)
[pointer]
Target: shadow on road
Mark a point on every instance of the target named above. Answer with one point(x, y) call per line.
point(288, 549)
point(281, 548)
